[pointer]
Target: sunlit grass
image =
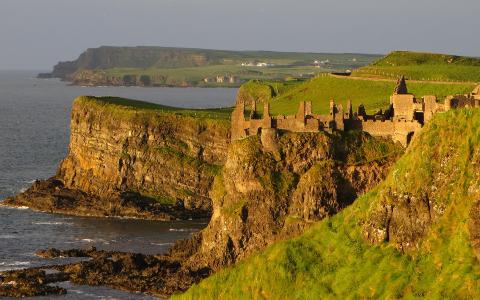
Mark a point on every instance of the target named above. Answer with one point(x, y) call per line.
point(332, 260)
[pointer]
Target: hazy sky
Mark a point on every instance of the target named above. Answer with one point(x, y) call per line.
point(35, 34)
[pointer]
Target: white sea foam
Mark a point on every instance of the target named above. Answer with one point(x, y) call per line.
point(162, 244)
point(183, 229)
point(51, 223)
point(103, 241)
point(5, 266)
point(13, 207)
point(6, 236)
point(18, 263)
point(21, 207)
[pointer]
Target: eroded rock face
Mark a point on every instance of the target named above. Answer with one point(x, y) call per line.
point(402, 219)
point(424, 190)
point(124, 162)
point(259, 198)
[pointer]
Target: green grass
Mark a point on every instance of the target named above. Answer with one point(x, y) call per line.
point(195, 75)
point(128, 106)
point(192, 65)
point(373, 94)
point(186, 160)
point(161, 199)
point(332, 260)
point(106, 57)
point(423, 66)
point(405, 58)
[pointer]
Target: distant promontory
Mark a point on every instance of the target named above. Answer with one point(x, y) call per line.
point(167, 66)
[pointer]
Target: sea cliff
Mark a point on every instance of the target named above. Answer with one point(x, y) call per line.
point(134, 159)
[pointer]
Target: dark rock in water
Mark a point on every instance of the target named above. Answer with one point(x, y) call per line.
point(29, 283)
point(45, 75)
point(159, 275)
point(52, 196)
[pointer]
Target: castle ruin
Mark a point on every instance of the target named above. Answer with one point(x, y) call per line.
point(405, 116)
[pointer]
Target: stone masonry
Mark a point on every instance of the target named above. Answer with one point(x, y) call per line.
point(405, 116)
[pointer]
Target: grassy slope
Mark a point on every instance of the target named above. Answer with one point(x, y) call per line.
point(333, 261)
point(424, 66)
point(197, 74)
point(373, 94)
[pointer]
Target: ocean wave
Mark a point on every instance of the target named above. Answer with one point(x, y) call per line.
point(13, 207)
point(51, 223)
point(183, 229)
point(87, 240)
point(6, 236)
point(6, 266)
point(161, 244)
point(15, 263)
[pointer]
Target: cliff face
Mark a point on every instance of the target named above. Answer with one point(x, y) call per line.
point(106, 57)
point(102, 78)
point(261, 196)
point(436, 182)
point(135, 162)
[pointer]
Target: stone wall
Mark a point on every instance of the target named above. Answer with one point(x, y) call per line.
point(405, 117)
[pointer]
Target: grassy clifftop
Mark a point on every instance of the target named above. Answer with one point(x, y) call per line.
point(134, 108)
point(107, 57)
point(408, 58)
point(335, 260)
point(284, 97)
point(424, 66)
point(169, 66)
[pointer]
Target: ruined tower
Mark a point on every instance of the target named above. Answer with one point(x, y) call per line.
point(349, 112)
point(401, 88)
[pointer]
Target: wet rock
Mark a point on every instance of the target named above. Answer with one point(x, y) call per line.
point(29, 283)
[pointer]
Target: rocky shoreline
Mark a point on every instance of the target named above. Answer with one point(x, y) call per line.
point(254, 194)
point(97, 78)
point(157, 275)
point(51, 196)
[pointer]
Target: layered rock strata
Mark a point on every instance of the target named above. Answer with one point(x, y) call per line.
point(133, 163)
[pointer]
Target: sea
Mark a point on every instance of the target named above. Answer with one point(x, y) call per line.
point(34, 135)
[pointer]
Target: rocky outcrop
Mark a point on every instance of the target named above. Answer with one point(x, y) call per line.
point(139, 162)
point(133, 162)
point(102, 78)
point(158, 275)
point(30, 283)
point(431, 182)
point(260, 198)
point(107, 57)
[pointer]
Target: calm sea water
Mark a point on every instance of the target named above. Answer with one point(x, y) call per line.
point(34, 119)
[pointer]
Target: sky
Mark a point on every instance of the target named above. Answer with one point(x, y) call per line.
point(36, 34)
